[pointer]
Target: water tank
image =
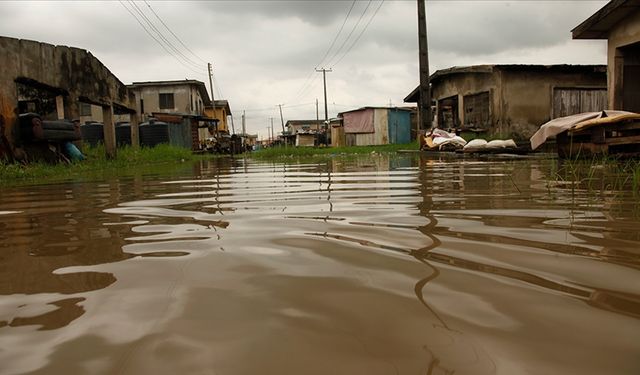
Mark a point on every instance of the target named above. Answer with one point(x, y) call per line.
point(153, 133)
point(123, 134)
point(92, 133)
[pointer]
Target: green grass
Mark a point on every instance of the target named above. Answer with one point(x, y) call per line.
point(96, 164)
point(601, 174)
point(288, 152)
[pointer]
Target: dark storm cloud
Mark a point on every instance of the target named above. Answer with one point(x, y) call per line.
point(317, 13)
point(469, 28)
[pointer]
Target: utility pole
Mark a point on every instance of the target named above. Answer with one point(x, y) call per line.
point(424, 95)
point(281, 118)
point(210, 68)
point(272, 133)
point(326, 112)
point(244, 131)
point(317, 117)
point(233, 128)
point(282, 121)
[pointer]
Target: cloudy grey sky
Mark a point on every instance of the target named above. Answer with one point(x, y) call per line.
point(265, 53)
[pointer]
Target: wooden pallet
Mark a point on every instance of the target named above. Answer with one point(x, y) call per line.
point(621, 138)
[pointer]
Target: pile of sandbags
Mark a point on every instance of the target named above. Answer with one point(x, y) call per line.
point(479, 144)
point(440, 140)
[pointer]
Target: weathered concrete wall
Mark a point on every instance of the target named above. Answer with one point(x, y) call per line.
point(186, 99)
point(96, 115)
point(626, 32)
point(76, 73)
point(527, 97)
point(464, 84)
point(521, 98)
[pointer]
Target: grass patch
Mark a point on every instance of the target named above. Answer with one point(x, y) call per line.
point(96, 164)
point(288, 152)
point(601, 174)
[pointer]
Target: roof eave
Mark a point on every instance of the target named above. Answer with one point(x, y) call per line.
point(600, 23)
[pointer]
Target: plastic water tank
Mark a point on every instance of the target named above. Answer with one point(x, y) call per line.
point(153, 133)
point(92, 133)
point(123, 134)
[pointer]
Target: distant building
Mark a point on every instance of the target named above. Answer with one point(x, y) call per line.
point(370, 126)
point(513, 100)
point(619, 23)
point(303, 126)
point(221, 111)
point(187, 97)
point(304, 133)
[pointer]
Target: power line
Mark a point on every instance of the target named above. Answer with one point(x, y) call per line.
point(351, 32)
point(161, 35)
point(307, 83)
point(154, 38)
point(172, 33)
point(359, 35)
point(218, 87)
point(337, 35)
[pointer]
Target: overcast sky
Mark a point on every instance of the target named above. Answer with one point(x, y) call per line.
point(265, 53)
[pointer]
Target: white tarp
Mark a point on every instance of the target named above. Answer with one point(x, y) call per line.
point(561, 124)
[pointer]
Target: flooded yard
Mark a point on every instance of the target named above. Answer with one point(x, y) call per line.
point(399, 264)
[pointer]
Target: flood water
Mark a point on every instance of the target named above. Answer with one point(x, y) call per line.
point(372, 265)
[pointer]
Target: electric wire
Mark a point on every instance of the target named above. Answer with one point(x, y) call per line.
point(155, 39)
point(172, 33)
point(308, 80)
point(162, 37)
point(359, 35)
point(217, 87)
point(337, 35)
point(351, 32)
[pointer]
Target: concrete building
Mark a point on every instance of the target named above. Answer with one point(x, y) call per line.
point(306, 133)
point(370, 126)
point(188, 97)
point(513, 100)
point(221, 111)
point(618, 22)
point(53, 81)
point(303, 126)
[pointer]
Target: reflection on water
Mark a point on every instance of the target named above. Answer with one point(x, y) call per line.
point(378, 264)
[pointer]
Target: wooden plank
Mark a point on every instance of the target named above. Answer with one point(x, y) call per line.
point(623, 140)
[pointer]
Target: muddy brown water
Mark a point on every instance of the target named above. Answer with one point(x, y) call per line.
point(371, 265)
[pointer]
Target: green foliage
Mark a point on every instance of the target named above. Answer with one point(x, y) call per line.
point(95, 165)
point(601, 174)
point(287, 152)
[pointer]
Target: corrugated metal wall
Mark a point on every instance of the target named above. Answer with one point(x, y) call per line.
point(399, 126)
